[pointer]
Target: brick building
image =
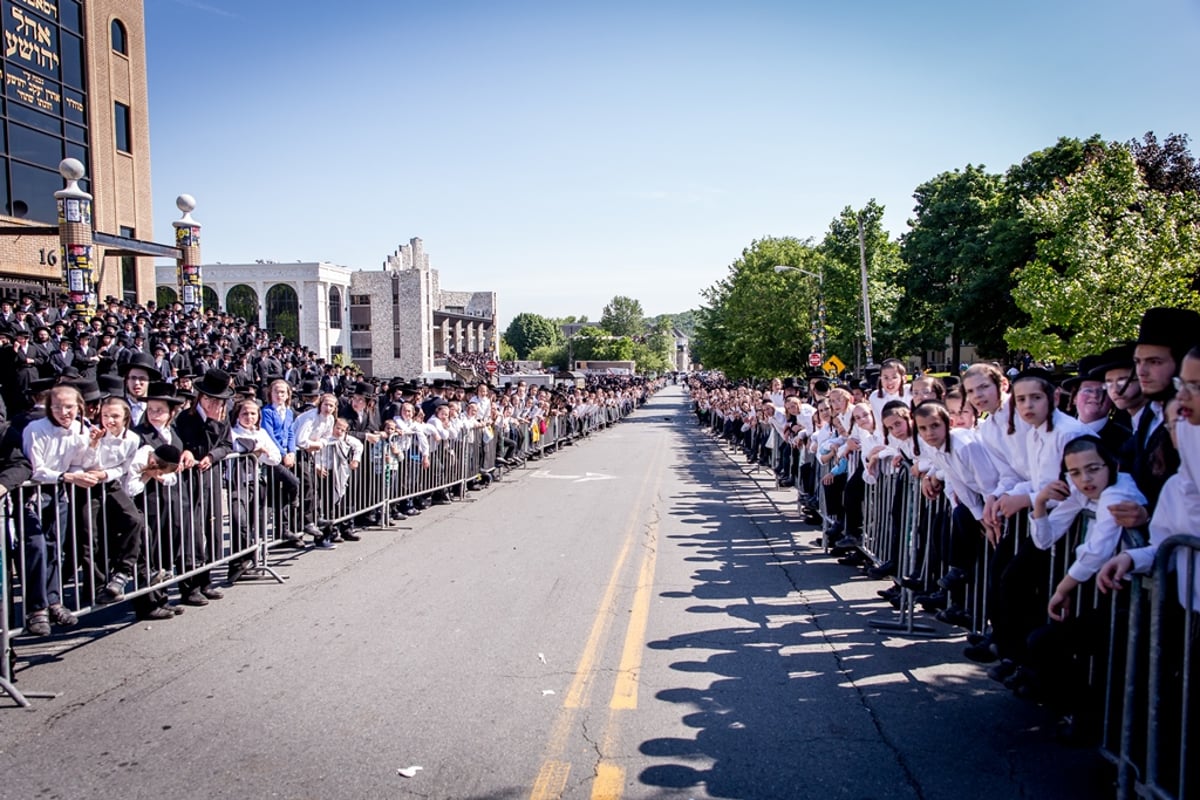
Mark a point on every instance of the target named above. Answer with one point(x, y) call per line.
point(75, 87)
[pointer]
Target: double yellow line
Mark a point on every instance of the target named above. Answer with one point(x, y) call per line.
point(610, 777)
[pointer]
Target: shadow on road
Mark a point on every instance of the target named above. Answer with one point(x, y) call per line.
point(792, 694)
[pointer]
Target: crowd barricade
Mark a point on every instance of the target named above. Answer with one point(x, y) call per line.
point(65, 543)
point(1141, 668)
point(1160, 677)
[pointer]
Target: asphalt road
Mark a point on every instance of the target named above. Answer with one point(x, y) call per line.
point(634, 617)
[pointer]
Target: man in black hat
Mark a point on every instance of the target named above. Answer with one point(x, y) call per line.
point(204, 432)
point(1164, 337)
point(1093, 406)
point(137, 372)
point(87, 358)
point(21, 367)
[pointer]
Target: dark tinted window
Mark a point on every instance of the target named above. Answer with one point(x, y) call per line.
point(121, 120)
point(30, 145)
point(33, 192)
point(119, 44)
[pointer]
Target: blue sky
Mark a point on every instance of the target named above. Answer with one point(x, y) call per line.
point(560, 153)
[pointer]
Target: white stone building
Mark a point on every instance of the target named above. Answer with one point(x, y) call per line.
point(395, 321)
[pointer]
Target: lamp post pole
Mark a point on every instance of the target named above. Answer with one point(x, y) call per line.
point(819, 332)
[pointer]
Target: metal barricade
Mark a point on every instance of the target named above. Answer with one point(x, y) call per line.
point(1156, 728)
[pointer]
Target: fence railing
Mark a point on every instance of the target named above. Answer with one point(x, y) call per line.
point(70, 551)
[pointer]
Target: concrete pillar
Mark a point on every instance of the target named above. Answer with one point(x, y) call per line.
point(187, 239)
point(75, 239)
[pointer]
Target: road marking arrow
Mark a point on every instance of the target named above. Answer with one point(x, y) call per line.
point(584, 478)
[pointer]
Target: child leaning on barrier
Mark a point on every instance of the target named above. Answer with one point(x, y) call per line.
point(58, 449)
point(341, 454)
point(1056, 667)
point(107, 516)
point(244, 477)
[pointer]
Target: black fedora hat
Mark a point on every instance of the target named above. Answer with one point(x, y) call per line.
point(1175, 328)
point(110, 385)
point(138, 360)
point(310, 388)
point(161, 390)
point(1119, 357)
point(215, 383)
point(89, 389)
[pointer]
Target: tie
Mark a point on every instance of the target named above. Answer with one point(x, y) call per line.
point(1144, 424)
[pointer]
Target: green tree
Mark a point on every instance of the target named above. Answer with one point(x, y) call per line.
point(527, 331)
point(944, 251)
point(550, 355)
point(623, 317)
point(844, 325)
point(757, 322)
point(507, 353)
point(1115, 248)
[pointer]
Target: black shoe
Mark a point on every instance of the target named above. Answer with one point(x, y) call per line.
point(890, 593)
point(236, 570)
point(351, 535)
point(934, 601)
point(852, 559)
point(918, 585)
point(162, 612)
point(195, 598)
point(955, 615)
point(978, 638)
point(312, 530)
point(953, 580)
point(212, 593)
point(982, 653)
point(1002, 670)
point(885, 570)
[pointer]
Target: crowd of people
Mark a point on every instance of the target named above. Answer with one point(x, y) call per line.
point(140, 444)
point(1018, 458)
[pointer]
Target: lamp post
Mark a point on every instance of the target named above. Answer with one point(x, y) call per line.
point(819, 331)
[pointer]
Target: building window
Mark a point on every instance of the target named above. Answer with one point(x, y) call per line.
point(360, 299)
point(335, 308)
point(165, 296)
point(360, 352)
point(119, 39)
point(283, 311)
point(337, 350)
point(129, 276)
point(209, 299)
point(360, 326)
point(121, 122)
point(242, 301)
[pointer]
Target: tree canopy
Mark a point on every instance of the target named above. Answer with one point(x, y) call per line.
point(623, 316)
point(529, 331)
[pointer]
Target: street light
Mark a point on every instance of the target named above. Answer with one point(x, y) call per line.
point(819, 334)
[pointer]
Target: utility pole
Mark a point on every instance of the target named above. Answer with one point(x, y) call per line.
point(866, 300)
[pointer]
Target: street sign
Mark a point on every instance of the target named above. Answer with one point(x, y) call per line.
point(814, 359)
point(492, 366)
point(834, 364)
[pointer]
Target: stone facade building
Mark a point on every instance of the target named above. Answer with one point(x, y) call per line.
point(396, 321)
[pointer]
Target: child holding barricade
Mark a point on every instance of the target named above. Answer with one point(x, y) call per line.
point(255, 449)
point(962, 470)
point(341, 454)
point(1019, 593)
point(107, 510)
point(1057, 666)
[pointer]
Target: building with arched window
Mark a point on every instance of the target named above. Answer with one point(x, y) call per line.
point(75, 87)
point(396, 321)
